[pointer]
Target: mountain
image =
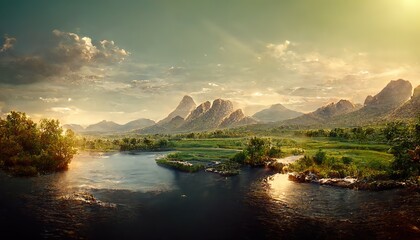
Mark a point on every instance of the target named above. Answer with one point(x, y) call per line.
point(136, 124)
point(393, 95)
point(376, 108)
point(184, 108)
point(324, 114)
point(410, 109)
point(74, 127)
point(210, 119)
point(104, 126)
point(236, 119)
point(199, 111)
point(276, 112)
point(206, 116)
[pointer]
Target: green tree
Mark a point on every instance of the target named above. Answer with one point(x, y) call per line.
point(256, 150)
point(28, 150)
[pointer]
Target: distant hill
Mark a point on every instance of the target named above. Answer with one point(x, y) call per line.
point(109, 126)
point(74, 127)
point(104, 126)
point(275, 113)
point(324, 114)
point(410, 109)
point(136, 124)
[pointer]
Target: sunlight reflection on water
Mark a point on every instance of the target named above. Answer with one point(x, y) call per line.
point(118, 171)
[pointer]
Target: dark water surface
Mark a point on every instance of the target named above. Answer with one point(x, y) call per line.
point(136, 199)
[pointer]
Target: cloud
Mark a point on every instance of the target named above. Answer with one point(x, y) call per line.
point(8, 43)
point(70, 56)
point(153, 86)
point(278, 50)
point(49, 100)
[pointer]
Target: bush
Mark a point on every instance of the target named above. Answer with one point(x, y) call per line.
point(320, 157)
point(240, 157)
point(346, 160)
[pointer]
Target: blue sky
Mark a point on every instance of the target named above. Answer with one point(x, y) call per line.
point(84, 61)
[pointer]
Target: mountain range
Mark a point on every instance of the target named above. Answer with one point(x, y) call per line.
point(206, 116)
point(395, 101)
point(109, 126)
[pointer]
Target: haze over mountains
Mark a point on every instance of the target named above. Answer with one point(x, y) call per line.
point(395, 101)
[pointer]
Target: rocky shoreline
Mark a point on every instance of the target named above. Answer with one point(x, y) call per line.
point(353, 183)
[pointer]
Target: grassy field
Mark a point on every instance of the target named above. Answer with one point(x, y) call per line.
point(368, 160)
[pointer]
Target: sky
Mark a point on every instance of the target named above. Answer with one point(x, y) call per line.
point(86, 61)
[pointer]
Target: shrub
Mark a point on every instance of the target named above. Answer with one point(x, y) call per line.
point(320, 157)
point(346, 160)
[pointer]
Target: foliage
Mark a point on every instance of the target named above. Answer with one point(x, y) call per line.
point(320, 157)
point(257, 151)
point(405, 141)
point(26, 149)
point(240, 157)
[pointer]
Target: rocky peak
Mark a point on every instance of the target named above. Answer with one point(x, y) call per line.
point(344, 105)
point(394, 94)
point(368, 100)
point(184, 108)
point(200, 110)
point(221, 106)
point(237, 118)
point(334, 109)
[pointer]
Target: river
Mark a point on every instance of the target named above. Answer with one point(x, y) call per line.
point(137, 199)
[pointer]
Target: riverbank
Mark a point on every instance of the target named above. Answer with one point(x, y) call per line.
point(354, 183)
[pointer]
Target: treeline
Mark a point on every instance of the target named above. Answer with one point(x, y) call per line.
point(357, 133)
point(404, 141)
point(148, 143)
point(28, 149)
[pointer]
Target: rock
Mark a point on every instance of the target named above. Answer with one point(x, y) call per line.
point(297, 177)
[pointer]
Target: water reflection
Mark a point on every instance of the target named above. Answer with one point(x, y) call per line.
point(279, 187)
point(134, 172)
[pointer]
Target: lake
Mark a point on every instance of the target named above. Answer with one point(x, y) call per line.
point(136, 199)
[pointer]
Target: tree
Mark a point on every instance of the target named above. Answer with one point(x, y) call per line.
point(26, 149)
point(57, 148)
point(405, 141)
point(256, 150)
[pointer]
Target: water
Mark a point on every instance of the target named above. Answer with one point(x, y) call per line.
point(137, 199)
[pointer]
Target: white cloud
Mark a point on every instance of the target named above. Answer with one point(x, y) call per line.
point(49, 100)
point(72, 47)
point(278, 50)
point(8, 43)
